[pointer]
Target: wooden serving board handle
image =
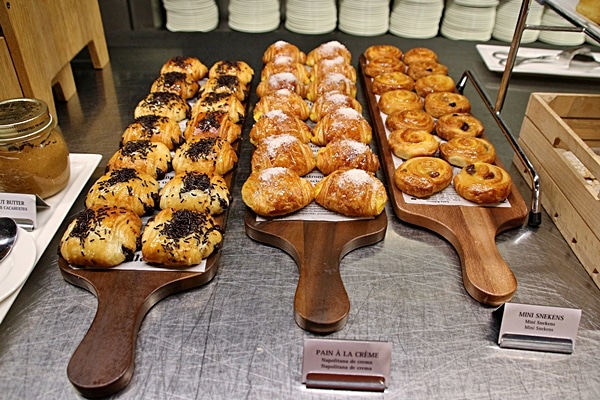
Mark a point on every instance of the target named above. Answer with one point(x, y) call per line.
point(321, 303)
point(103, 363)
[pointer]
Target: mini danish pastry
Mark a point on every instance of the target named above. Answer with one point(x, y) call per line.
point(283, 151)
point(179, 83)
point(127, 188)
point(277, 122)
point(239, 69)
point(399, 100)
point(423, 176)
point(101, 237)
point(440, 103)
point(454, 125)
point(190, 65)
point(420, 69)
point(434, 83)
point(151, 158)
point(330, 101)
point(329, 83)
point(228, 102)
point(382, 50)
point(419, 54)
point(413, 119)
point(276, 191)
point(285, 64)
point(483, 183)
point(165, 104)
point(346, 154)
point(391, 81)
point(382, 65)
point(282, 80)
point(342, 123)
point(208, 155)
point(409, 143)
point(212, 124)
point(155, 128)
point(328, 50)
point(283, 48)
point(196, 191)
point(462, 151)
point(351, 192)
point(285, 100)
point(180, 238)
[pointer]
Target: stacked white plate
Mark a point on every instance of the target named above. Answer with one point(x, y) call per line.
point(469, 19)
point(419, 19)
point(364, 18)
point(507, 14)
point(551, 18)
point(254, 16)
point(191, 15)
point(311, 17)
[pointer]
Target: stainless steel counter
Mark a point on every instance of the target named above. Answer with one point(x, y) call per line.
point(236, 337)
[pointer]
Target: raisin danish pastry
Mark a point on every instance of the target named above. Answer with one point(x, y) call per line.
point(209, 155)
point(461, 151)
point(441, 103)
point(196, 191)
point(346, 154)
point(454, 125)
point(180, 238)
point(423, 176)
point(152, 158)
point(101, 237)
point(483, 183)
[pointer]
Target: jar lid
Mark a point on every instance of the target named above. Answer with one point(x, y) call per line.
point(23, 117)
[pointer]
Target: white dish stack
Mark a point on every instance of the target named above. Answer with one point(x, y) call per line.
point(419, 19)
point(469, 19)
point(254, 16)
point(559, 38)
point(507, 14)
point(364, 18)
point(191, 15)
point(311, 17)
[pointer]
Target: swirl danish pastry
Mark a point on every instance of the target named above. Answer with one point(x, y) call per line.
point(382, 50)
point(462, 151)
point(483, 183)
point(398, 100)
point(440, 103)
point(414, 119)
point(409, 143)
point(391, 81)
point(454, 125)
point(423, 176)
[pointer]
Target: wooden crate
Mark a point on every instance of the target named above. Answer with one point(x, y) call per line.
point(553, 123)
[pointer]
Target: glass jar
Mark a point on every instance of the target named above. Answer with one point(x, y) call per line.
point(34, 157)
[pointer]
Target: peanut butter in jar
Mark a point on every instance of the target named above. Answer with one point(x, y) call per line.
point(34, 157)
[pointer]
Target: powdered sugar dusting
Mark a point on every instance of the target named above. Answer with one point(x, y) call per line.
point(268, 174)
point(285, 77)
point(356, 177)
point(277, 144)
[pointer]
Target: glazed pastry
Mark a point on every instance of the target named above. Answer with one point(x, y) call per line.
point(346, 154)
point(440, 103)
point(383, 65)
point(227, 102)
point(226, 84)
point(155, 128)
point(101, 237)
point(198, 191)
point(330, 101)
point(180, 238)
point(285, 100)
point(351, 192)
point(190, 65)
point(409, 143)
point(420, 69)
point(208, 155)
point(127, 188)
point(276, 191)
point(283, 48)
point(212, 124)
point(179, 83)
point(434, 83)
point(239, 69)
point(398, 100)
point(282, 80)
point(329, 83)
point(413, 119)
point(462, 151)
point(283, 151)
point(419, 54)
point(423, 176)
point(391, 81)
point(285, 64)
point(454, 125)
point(165, 104)
point(146, 157)
point(382, 50)
point(483, 183)
point(342, 123)
point(335, 65)
point(329, 49)
point(278, 122)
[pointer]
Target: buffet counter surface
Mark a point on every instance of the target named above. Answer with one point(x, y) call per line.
point(236, 337)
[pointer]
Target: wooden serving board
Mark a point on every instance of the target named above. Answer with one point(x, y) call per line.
point(321, 303)
point(471, 230)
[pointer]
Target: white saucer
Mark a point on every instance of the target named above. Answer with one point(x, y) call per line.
point(15, 269)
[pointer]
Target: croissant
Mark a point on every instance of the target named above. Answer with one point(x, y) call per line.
point(239, 69)
point(352, 192)
point(335, 65)
point(283, 48)
point(285, 64)
point(228, 102)
point(151, 158)
point(276, 191)
point(209, 155)
point(155, 128)
point(226, 84)
point(196, 191)
point(180, 238)
point(330, 101)
point(284, 100)
point(190, 65)
point(277, 122)
point(212, 124)
point(346, 154)
point(163, 103)
point(282, 80)
point(329, 83)
point(329, 49)
point(283, 151)
point(101, 237)
point(342, 123)
point(179, 83)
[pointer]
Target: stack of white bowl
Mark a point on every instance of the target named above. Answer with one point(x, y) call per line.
point(419, 19)
point(311, 17)
point(559, 38)
point(364, 18)
point(254, 16)
point(469, 19)
point(507, 14)
point(191, 15)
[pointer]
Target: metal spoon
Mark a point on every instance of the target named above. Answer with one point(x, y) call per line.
point(8, 236)
point(564, 56)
